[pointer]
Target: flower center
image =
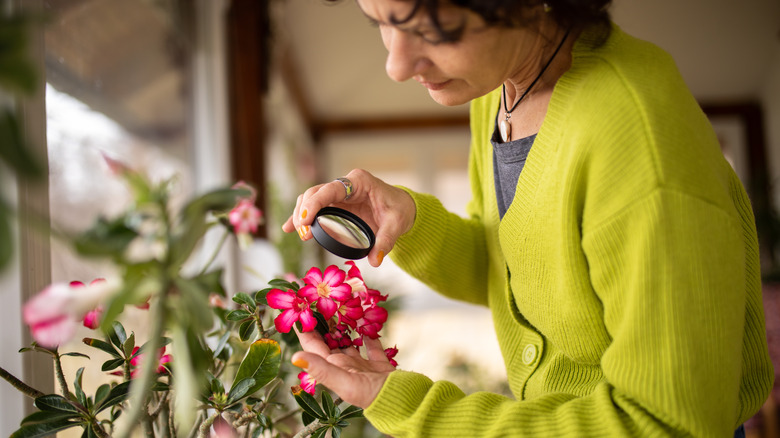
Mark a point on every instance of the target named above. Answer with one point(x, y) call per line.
point(323, 290)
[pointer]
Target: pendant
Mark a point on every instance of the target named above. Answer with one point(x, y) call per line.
point(505, 129)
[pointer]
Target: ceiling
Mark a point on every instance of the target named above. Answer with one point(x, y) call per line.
point(723, 48)
point(125, 59)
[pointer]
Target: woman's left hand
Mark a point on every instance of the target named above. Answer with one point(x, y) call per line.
point(355, 379)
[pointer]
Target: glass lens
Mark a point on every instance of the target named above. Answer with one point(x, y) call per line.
point(343, 231)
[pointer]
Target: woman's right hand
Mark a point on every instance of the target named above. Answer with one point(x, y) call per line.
point(388, 210)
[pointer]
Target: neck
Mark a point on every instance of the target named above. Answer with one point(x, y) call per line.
point(549, 39)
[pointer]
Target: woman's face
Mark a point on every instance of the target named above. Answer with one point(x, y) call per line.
point(453, 72)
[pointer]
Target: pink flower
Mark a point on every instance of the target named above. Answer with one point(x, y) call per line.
point(390, 353)
point(216, 301)
point(338, 337)
point(54, 314)
point(245, 217)
point(326, 289)
point(163, 361)
point(350, 311)
point(373, 319)
point(48, 318)
point(92, 318)
point(296, 308)
point(252, 192)
point(308, 383)
point(223, 429)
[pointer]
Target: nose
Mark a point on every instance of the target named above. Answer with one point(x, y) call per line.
point(405, 58)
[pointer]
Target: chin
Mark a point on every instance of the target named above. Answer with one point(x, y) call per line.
point(448, 98)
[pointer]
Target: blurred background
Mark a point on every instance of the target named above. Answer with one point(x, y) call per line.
point(284, 94)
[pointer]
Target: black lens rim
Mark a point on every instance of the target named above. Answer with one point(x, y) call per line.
point(335, 247)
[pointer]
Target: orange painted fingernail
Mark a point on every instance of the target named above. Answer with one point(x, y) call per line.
point(303, 231)
point(380, 257)
point(300, 363)
point(304, 213)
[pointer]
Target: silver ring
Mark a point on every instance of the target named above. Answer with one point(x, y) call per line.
point(347, 186)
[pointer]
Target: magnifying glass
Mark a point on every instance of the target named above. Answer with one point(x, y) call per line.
point(342, 233)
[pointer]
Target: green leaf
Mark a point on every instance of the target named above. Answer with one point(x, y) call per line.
point(128, 345)
point(240, 390)
point(102, 393)
point(80, 396)
point(280, 284)
point(335, 432)
point(105, 238)
point(351, 412)
point(55, 403)
point(160, 387)
point(327, 404)
point(261, 363)
point(15, 152)
point(41, 430)
point(117, 395)
point(260, 297)
point(193, 221)
point(48, 417)
point(112, 364)
point(212, 281)
point(117, 334)
point(216, 385)
point(191, 306)
point(102, 345)
point(74, 354)
point(322, 324)
point(307, 418)
point(246, 329)
point(242, 298)
point(309, 404)
point(238, 315)
point(319, 433)
point(221, 344)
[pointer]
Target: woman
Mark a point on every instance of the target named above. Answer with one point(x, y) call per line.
point(611, 240)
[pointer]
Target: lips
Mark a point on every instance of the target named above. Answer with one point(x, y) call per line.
point(434, 86)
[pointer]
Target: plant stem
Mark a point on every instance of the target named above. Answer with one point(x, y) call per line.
point(139, 390)
point(204, 428)
point(215, 253)
point(98, 429)
point(61, 376)
point(19, 385)
point(196, 426)
point(308, 430)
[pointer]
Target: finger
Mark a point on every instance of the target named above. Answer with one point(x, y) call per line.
point(338, 379)
point(351, 351)
point(382, 246)
point(313, 342)
point(325, 195)
point(374, 349)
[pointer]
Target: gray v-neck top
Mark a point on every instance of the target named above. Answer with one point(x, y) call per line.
point(508, 161)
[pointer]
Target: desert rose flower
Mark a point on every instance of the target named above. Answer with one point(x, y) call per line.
point(54, 313)
point(390, 353)
point(245, 218)
point(296, 308)
point(326, 289)
point(308, 383)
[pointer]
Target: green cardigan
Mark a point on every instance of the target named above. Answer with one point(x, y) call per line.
point(623, 281)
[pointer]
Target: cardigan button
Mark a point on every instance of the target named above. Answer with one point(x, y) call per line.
point(529, 354)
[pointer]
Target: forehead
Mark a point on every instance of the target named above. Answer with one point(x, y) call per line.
point(386, 11)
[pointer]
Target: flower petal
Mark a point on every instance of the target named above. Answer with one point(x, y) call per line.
point(285, 320)
point(313, 276)
point(309, 292)
point(327, 307)
point(308, 321)
point(334, 276)
point(279, 299)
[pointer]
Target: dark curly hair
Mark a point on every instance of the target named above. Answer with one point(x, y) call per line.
point(514, 13)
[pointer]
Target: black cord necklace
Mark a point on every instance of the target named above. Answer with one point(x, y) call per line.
point(504, 126)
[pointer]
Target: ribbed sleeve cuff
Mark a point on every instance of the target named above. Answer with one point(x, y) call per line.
point(428, 232)
point(400, 397)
